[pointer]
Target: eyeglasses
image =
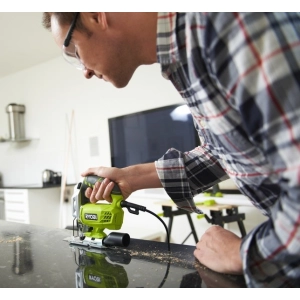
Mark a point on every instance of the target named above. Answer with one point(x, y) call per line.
point(70, 52)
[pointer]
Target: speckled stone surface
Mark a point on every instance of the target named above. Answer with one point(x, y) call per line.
point(39, 257)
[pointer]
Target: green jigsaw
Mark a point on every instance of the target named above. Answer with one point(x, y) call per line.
point(93, 218)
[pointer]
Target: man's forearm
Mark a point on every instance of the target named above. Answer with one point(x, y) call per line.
point(142, 176)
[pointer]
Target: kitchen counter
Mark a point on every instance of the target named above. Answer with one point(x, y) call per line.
point(34, 186)
point(28, 204)
point(39, 257)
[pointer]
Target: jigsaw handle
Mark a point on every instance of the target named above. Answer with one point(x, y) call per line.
point(89, 181)
point(80, 199)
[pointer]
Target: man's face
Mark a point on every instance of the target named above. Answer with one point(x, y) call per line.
point(106, 54)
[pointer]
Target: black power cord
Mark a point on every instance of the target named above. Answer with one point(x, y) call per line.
point(135, 208)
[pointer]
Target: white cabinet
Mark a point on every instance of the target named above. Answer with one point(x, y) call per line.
point(16, 206)
point(39, 206)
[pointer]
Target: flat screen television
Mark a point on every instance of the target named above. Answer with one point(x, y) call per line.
point(146, 136)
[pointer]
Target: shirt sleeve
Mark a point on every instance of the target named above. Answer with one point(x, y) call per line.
point(185, 174)
point(263, 58)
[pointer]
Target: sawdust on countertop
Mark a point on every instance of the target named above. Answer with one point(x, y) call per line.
point(12, 240)
point(158, 256)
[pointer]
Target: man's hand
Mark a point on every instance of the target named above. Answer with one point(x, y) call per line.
point(219, 250)
point(102, 190)
point(129, 180)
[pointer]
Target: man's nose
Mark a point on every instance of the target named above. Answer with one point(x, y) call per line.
point(88, 74)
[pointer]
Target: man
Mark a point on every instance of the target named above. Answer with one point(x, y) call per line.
point(240, 76)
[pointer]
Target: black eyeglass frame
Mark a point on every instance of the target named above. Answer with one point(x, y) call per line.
point(70, 32)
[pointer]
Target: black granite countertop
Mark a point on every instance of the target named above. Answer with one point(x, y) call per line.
point(39, 257)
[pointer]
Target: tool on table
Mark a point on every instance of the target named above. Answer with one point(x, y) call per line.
point(216, 192)
point(93, 218)
point(98, 251)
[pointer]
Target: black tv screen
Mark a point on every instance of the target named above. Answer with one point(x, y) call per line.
point(145, 136)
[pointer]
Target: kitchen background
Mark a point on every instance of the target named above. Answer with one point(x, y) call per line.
point(51, 92)
point(66, 117)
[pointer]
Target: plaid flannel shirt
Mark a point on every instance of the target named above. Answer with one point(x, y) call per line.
point(239, 73)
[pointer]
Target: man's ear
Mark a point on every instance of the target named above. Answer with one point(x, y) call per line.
point(97, 18)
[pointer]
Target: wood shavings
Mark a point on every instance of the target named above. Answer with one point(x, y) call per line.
point(14, 239)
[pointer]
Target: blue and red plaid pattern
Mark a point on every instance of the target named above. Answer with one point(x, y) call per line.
point(239, 73)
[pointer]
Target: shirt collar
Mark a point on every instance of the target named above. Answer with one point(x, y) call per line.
point(167, 50)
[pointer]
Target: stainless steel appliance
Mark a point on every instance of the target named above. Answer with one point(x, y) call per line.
point(50, 177)
point(16, 121)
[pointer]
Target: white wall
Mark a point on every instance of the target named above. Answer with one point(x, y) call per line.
point(50, 92)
